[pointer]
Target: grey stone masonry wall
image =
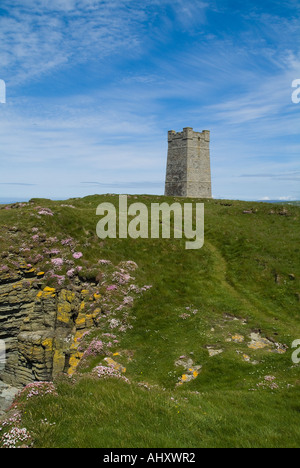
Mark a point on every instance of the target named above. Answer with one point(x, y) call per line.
point(188, 166)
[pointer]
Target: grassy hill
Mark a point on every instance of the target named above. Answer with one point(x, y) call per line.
point(207, 349)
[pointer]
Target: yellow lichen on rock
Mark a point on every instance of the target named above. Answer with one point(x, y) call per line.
point(74, 361)
point(192, 371)
point(67, 295)
point(47, 289)
point(77, 338)
point(90, 318)
point(31, 270)
point(47, 292)
point(65, 306)
point(238, 338)
point(115, 365)
point(258, 342)
point(80, 321)
point(64, 310)
point(48, 344)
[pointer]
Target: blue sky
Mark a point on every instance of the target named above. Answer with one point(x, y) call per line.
point(94, 86)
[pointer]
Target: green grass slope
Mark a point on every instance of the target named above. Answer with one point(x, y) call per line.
point(208, 351)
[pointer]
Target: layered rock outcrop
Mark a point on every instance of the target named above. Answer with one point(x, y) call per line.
point(41, 327)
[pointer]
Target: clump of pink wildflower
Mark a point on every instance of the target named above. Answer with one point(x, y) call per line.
point(57, 262)
point(128, 300)
point(104, 262)
point(114, 323)
point(103, 372)
point(54, 252)
point(129, 265)
point(68, 241)
point(52, 240)
point(184, 316)
point(138, 290)
point(37, 258)
point(77, 255)
point(121, 277)
point(270, 378)
point(95, 348)
point(15, 437)
point(45, 212)
point(38, 389)
point(60, 279)
point(15, 419)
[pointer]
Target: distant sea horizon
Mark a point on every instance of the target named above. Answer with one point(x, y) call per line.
point(9, 201)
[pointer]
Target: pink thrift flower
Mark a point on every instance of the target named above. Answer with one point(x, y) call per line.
point(77, 255)
point(57, 262)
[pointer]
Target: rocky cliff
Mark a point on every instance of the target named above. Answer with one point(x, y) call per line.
point(41, 327)
point(51, 293)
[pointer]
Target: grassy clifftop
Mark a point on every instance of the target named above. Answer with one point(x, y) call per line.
point(205, 358)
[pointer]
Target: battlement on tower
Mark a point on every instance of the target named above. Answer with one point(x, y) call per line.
point(188, 166)
point(188, 133)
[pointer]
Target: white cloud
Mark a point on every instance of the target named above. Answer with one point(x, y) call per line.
point(39, 36)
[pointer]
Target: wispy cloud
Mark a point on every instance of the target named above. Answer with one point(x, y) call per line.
point(38, 37)
point(16, 183)
point(281, 176)
point(121, 185)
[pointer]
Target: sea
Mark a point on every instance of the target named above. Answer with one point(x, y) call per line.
point(8, 201)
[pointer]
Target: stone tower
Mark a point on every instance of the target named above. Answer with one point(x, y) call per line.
point(188, 166)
